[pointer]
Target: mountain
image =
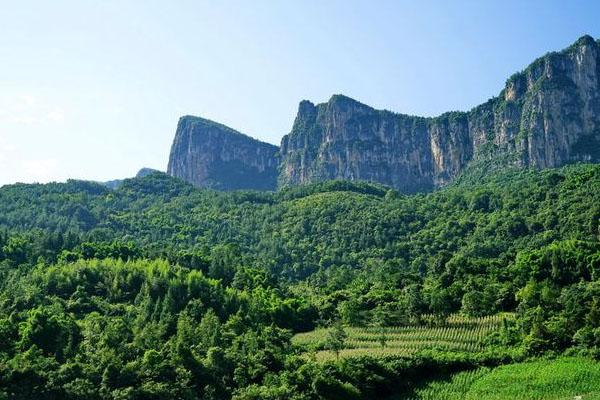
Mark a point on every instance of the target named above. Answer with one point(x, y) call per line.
point(115, 183)
point(209, 154)
point(548, 115)
point(160, 290)
point(145, 172)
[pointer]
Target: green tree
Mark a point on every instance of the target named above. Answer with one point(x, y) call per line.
point(52, 331)
point(379, 323)
point(336, 338)
point(440, 303)
point(350, 312)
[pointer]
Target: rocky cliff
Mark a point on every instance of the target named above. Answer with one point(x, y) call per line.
point(547, 115)
point(209, 154)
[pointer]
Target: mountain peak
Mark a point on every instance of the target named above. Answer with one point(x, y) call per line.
point(340, 100)
point(585, 40)
point(306, 108)
point(546, 116)
point(209, 154)
point(206, 123)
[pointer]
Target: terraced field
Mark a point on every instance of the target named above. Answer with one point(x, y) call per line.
point(459, 333)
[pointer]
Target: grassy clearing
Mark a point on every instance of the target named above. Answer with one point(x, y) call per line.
point(459, 333)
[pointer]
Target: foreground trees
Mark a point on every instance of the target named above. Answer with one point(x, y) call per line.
point(161, 290)
point(145, 329)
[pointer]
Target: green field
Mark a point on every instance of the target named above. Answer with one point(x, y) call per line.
point(552, 379)
point(564, 378)
point(458, 333)
point(453, 388)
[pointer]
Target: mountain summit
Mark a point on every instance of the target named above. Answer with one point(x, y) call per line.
point(209, 154)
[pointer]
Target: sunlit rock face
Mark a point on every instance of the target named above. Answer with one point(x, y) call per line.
point(548, 115)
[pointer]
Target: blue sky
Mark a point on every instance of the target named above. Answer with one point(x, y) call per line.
point(94, 89)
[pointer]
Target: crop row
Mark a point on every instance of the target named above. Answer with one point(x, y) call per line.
point(410, 333)
point(326, 355)
point(416, 345)
point(453, 389)
point(459, 333)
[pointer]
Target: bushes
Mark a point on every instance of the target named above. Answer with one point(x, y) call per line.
point(360, 378)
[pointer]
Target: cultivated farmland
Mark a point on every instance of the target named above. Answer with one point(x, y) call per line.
point(458, 333)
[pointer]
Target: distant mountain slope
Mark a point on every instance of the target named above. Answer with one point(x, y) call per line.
point(115, 183)
point(145, 172)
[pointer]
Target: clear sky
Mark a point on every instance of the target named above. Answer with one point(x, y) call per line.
point(94, 89)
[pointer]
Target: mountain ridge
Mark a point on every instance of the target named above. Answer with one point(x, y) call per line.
point(547, 115)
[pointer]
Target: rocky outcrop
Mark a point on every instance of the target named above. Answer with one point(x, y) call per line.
point(208, 154)
point(547, 115)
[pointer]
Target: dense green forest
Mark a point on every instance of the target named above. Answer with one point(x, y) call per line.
point(159, 290)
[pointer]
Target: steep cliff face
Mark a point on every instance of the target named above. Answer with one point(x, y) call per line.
point(209, 154)
point(556, 103)
point(547, 115)
point(344, 139)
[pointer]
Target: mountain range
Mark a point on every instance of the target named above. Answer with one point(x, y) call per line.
point(547, 115)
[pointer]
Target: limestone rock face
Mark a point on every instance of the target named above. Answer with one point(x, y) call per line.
point(208, 154)
point(547, 115)
point(344, 139)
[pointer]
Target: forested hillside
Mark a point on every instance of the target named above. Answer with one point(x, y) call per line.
point(160, 290)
